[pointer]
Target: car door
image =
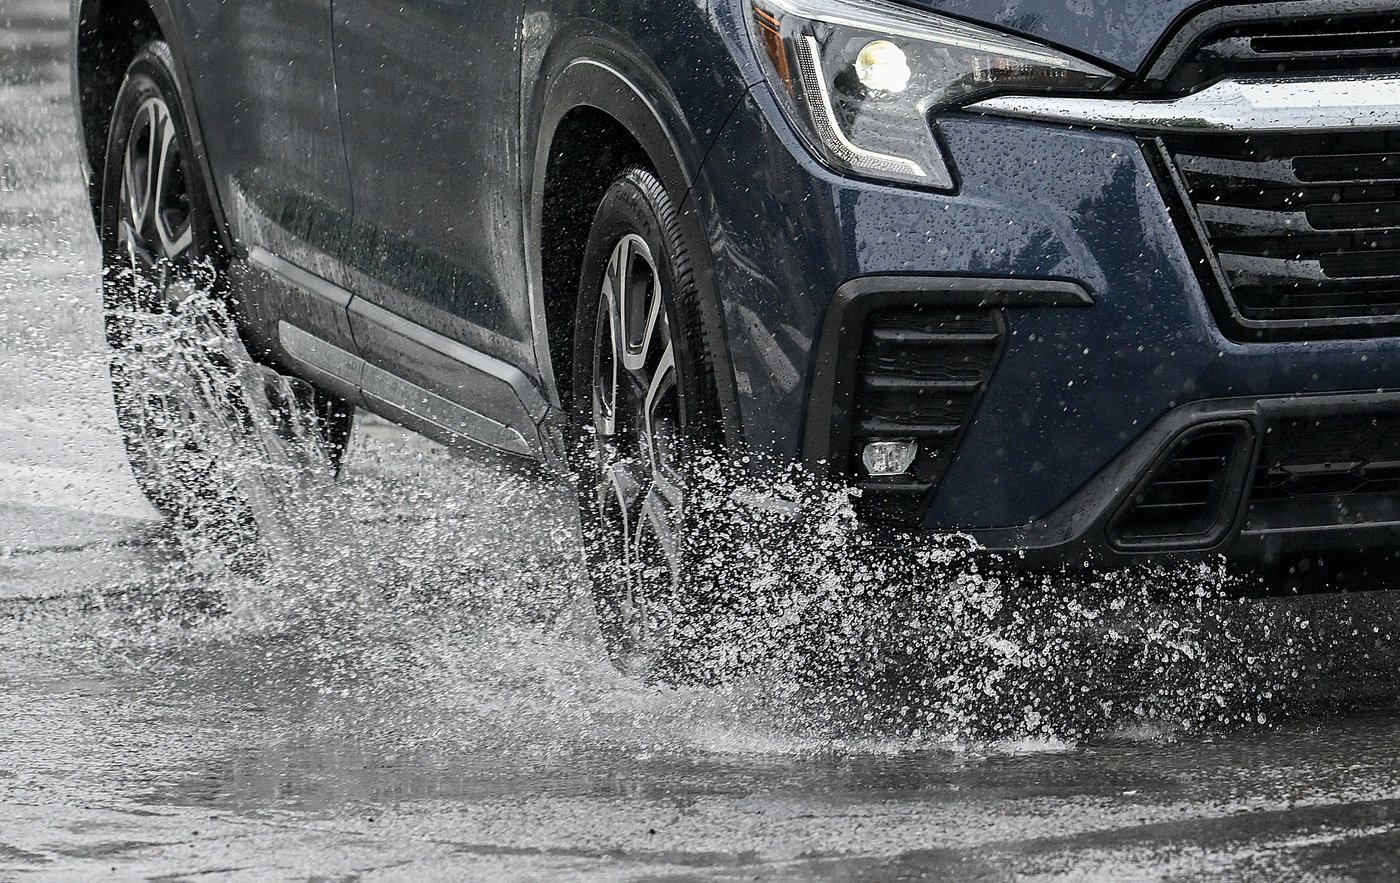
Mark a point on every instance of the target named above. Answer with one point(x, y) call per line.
point(266, 93)
point(430, 109)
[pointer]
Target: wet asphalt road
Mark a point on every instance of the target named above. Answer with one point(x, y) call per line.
point(428, 698)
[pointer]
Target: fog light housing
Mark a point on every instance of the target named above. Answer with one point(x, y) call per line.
point(890, 457)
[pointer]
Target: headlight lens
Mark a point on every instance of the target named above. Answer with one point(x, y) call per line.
point(862, 77)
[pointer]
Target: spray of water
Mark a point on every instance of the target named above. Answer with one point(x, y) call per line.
point(860, 636)
point(447, 599)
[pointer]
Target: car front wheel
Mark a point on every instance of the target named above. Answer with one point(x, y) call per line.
point(645, 412)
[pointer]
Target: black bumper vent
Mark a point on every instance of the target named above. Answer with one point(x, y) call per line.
point(1301, 232)
point(1341, 468)
point(1190, 499)
point(909, 358)
point(919, 376)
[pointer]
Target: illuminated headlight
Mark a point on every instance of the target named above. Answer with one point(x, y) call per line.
point(883, 68)
point(861, 79)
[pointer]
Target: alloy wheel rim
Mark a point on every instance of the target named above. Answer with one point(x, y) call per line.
point(637, 423)
point(155, 229)
point(160, 267)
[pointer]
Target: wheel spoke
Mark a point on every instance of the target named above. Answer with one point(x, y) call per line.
point(662, 383)
point(177, 244)
point(636, 413)
point(659, 522)
point(640, 300)
point(623, 488)
point(166, 200)
point(133, 177)
point(605, 359)
point(126, 237)
point(143, 177)
point(617, 267)
point(621, 504)
point(149, 186)
point(653, 313)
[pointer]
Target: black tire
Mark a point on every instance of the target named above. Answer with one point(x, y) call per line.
point(641, 601)
point(152, 253)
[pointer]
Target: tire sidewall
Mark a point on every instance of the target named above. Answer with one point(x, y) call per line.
point(151, 75)
point(638, 204)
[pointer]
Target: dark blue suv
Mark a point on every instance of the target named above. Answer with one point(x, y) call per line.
point(1100, 280)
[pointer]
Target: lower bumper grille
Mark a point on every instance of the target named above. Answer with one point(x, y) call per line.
point(899, 375)
point(920, 372)
point(1301, 232)
point(1325, 470)
point(1192, 496)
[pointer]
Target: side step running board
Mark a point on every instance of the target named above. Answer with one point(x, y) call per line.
point(514, 408)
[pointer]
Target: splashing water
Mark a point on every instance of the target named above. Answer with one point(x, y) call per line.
point(446, 600)
point(856, 635)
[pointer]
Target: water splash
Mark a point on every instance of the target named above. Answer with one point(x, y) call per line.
point(856, 634)
point(446, 599)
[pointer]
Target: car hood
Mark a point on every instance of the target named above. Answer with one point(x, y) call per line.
point(1120, 32)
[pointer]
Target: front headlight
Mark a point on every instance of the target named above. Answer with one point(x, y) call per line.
point(862, 77)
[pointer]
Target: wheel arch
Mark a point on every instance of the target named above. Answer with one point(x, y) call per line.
point(600, 115)
point(106, 37)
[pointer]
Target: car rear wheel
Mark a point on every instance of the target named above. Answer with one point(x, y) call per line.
point(645, 410)
point(160, 249)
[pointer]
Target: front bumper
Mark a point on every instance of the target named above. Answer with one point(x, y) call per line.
point(1280, 494)
point(1073, 415)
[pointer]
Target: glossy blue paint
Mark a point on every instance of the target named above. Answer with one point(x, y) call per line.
point(430, 108)
point(1075, 386)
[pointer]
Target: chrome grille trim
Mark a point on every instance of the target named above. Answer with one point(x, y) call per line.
point(1256, 104)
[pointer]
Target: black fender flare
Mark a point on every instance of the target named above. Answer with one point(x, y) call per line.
point(87, 18)
point(600, 75)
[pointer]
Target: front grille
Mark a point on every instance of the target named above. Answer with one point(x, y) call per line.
point(1191, 497)
point(1280, 42)
point(1297, 235)
point(920, 373)
point(1301, 232)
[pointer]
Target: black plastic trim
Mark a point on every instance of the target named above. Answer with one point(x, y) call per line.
point(829, 413)
point(1076, 532)
point(1215, 287)
point(1232, 498)
point(1182, 37)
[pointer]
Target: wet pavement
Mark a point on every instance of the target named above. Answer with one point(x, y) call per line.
point(416, 688)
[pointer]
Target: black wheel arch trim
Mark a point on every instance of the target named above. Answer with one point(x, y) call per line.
point(86, 15)
point(594, 74)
